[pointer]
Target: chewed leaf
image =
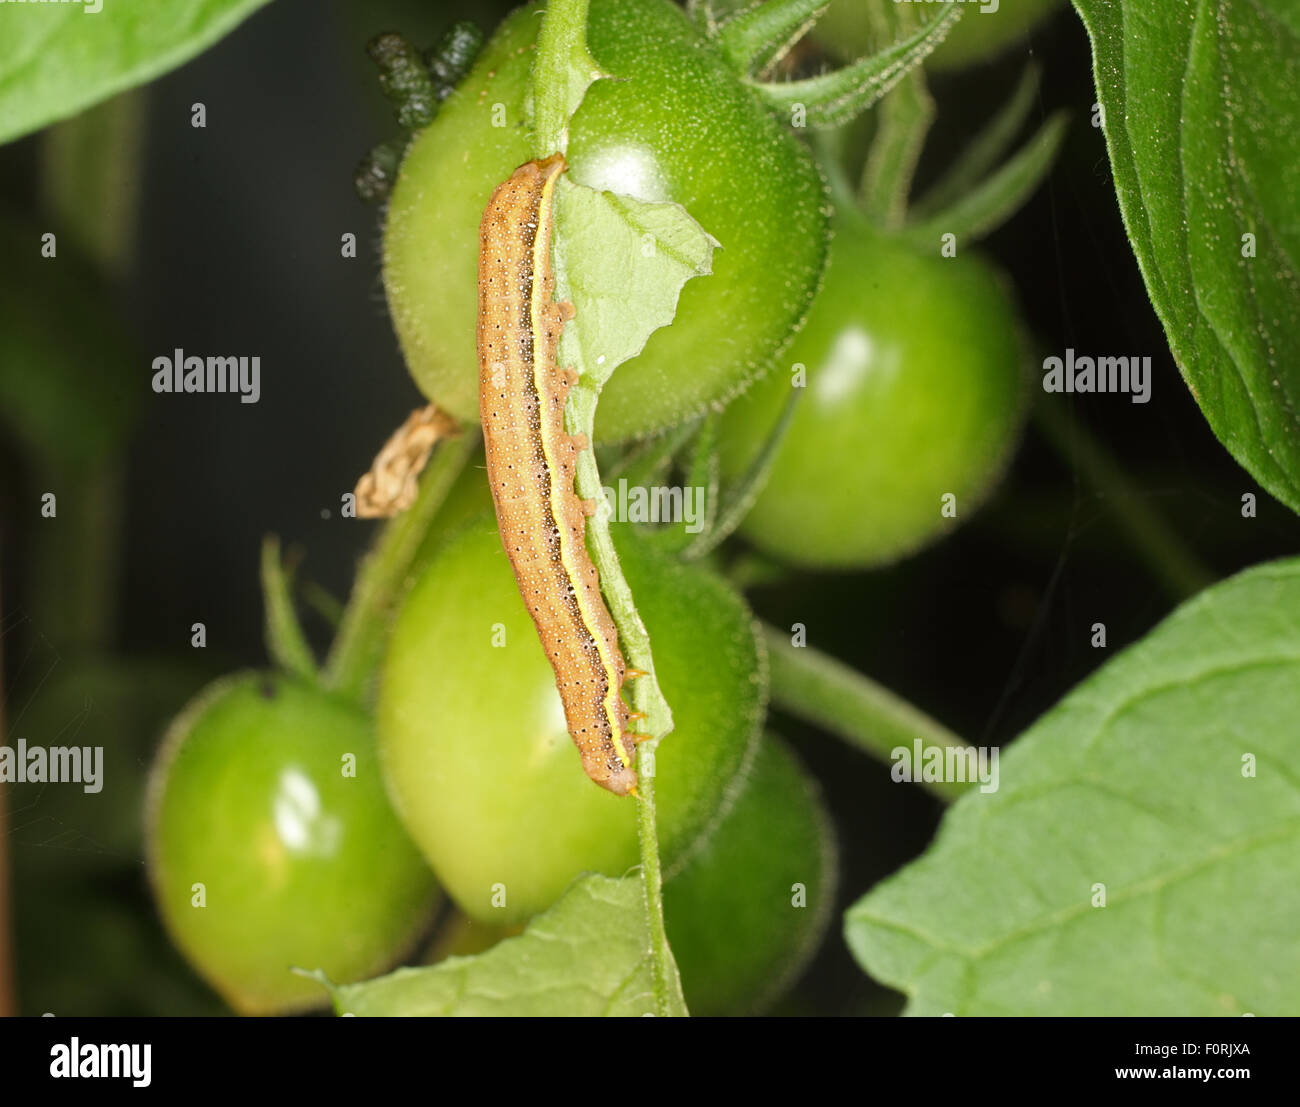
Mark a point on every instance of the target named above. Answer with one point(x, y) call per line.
point(622, 262)
point(1139, 854)
point(588, 955)
point(56, 59)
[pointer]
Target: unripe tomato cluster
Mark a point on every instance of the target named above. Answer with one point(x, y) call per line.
point(289, 828)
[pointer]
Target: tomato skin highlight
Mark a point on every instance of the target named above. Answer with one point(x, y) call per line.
point(677, 126)
point(915, 390)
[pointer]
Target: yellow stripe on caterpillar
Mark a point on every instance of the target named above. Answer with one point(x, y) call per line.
point(531, 463)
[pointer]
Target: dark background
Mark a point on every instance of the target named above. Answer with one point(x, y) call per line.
point(239, 253)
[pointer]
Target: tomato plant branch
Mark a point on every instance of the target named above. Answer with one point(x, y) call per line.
point(285, 642)
point(97, 154)
point(815, 687)
point(905, 118)
point(562, 72)
point(904, 122)
point(385, 571)
point(1180, 572)
point(669, 1000)
point(93, 155)
point(644, 692)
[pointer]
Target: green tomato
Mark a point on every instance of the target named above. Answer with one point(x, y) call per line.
point(475, 748)
point(267, 794)
point(983, 31)
point(914, 393)
point(678, 125)
point(747, 911)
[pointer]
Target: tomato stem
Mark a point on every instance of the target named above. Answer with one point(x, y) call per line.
point(386, 569)
point(98, 154)
point(285, 642)
point(643, 693)
point(95, 154)
point(563, 70)
point(1180, 572)
point(905, 118)
point(819, 689)
point(669, 1001)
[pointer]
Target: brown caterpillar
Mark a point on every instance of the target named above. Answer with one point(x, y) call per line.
point(531, 463)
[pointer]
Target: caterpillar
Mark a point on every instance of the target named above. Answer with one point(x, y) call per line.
point(531, 463)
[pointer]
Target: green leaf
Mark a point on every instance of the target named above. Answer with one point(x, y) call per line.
point(58, 59)
point(1201, 119)
point(1140, 780)
point(587, 955)
point(622, 262)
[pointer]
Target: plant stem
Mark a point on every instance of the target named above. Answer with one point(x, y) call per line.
point(905, 117)
point(91, 170)
point(1178, 570)
point(76, 563)
point(815, 687)
point(386, 569)
point(669, 1001)
point(562, 72)
point(285, 642)
point(90, 188)
point(645, 695)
